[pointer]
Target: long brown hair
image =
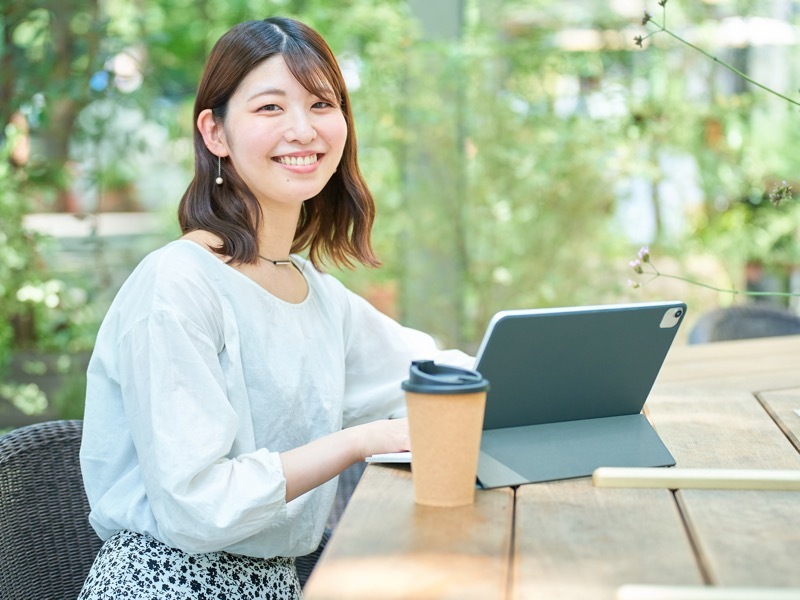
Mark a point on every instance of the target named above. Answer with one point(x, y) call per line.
point(336, 224)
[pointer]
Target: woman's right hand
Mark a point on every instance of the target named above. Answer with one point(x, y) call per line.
point(378, 437)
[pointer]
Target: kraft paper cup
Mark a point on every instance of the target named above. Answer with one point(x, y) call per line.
point(445, 420)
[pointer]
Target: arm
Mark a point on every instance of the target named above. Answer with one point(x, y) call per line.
point(379, 354)
point(315, 463)
point(203, 494)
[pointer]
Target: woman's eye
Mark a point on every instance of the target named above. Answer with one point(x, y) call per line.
point(270, 107)
point(322, 104)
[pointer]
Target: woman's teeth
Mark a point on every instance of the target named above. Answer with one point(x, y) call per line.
point(298, 160)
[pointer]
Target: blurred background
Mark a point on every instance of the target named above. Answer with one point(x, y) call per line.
point(520, 152)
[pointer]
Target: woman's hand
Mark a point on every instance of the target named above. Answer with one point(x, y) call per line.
point(378, 437)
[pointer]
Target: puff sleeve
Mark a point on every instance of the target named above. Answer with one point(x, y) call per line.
point(379, 352)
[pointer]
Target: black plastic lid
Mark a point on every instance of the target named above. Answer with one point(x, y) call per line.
point(426, 377)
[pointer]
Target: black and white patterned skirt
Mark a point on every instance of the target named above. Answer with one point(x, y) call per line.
point(136, 566)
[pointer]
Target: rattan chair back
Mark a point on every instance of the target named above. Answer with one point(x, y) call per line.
point(46, 543)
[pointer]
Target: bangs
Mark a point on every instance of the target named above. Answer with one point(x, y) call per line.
point(318, 76)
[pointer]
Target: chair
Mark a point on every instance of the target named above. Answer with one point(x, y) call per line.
point(46, 543)
point(348, 480)
point(742, 322)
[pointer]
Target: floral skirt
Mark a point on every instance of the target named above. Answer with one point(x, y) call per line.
point(136, 566)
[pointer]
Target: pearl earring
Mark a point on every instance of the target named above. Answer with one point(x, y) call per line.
point(219, 170)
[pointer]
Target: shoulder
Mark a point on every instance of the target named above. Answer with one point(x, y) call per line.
point(178, 261)
point(178, 275)
point(177, 282)
point(206, 240)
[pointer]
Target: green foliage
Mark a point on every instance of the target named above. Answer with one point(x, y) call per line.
point(743, 144)
point(39, 312)
point(756, 233)
point(51, 50)
point(540, 190)
point(17, 248)
point(28, 398)
point(479, 172)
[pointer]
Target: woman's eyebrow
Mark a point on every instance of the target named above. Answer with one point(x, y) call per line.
point(326, 92)
point(268, 92)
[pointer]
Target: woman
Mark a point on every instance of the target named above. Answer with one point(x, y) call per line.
point(231, 380)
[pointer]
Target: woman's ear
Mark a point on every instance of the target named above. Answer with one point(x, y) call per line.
point(213, 133)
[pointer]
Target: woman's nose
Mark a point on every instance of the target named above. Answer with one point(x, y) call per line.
point(300, 129)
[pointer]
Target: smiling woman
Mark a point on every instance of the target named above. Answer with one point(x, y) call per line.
point(231, 380)
point(281, 76)
point(284, 142)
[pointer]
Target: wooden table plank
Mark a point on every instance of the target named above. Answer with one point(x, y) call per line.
point(766, 363)
point(746, 538)
point(784, 408)
point(751, 351)
point(386, 546)
point(577, 541)
point(704, 426)
point(743, 538)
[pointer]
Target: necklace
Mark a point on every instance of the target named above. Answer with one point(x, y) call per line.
point(279, 262)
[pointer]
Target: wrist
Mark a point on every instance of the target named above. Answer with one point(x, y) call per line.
point(354, 444)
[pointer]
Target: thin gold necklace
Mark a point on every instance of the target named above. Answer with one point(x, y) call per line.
point(277, 263)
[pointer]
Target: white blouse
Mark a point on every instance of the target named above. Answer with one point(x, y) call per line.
point(200, 378)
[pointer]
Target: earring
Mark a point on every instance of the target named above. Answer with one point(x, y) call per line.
point(219, 170)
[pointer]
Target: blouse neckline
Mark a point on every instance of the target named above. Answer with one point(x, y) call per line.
point(228, 268)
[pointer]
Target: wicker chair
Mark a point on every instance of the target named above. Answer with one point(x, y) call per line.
point(742, 322)
point(46, 543)
point(348, 481)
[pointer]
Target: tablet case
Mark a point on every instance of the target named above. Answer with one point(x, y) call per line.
point(567, 389)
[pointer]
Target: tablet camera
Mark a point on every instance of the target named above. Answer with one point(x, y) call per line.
point(671, 318)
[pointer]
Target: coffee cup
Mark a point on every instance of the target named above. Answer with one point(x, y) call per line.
point(445, 421)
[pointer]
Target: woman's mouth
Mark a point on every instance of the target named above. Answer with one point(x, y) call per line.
point(297, 161)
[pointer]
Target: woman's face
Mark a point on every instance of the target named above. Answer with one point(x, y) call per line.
point(284, 142)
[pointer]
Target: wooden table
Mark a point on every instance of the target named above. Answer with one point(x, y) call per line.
point(721, 405)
